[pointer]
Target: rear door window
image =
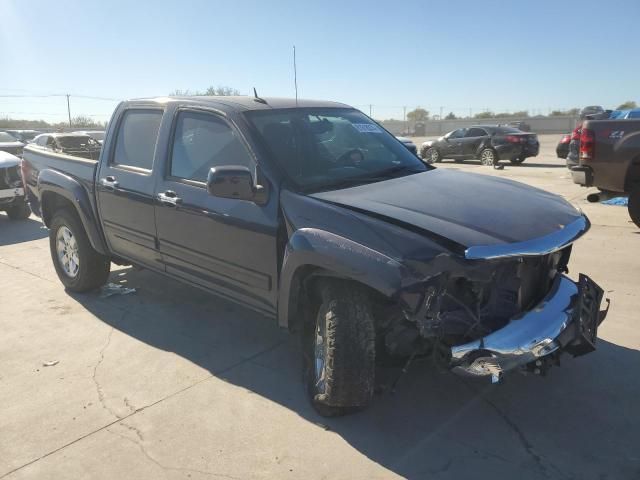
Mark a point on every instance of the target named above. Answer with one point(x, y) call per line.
point(475, 132)
point(136, 138)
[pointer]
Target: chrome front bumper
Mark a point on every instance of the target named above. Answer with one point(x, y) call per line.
point(567, 318)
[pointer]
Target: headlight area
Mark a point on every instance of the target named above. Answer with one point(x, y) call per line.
point(463, 305)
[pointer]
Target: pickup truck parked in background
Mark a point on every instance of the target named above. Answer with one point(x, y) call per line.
point(609, 158)
point(314, 215)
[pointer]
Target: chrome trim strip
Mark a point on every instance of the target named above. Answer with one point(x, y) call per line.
point(525, 338)
point(534, 247)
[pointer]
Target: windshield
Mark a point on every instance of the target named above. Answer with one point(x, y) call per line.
point(321, 149)
point(96, 135)
point(6, 137)
point(83, 141)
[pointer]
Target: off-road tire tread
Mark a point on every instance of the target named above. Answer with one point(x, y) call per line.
point(633, 207)
point(350, 364)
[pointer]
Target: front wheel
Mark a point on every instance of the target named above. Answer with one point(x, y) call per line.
point(434, 155)
point(340, 349)
point(517, 160)
point(79, 267)
point(634, 206)
point(19, 212)
point(488, 157)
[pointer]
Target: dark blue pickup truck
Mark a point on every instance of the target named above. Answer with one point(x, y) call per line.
point(314, 215)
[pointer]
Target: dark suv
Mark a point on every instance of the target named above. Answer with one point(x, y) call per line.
point(487, 143)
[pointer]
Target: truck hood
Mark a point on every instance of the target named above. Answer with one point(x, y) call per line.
point(469, 209)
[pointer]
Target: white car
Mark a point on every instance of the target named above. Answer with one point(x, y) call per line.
point(12, 197)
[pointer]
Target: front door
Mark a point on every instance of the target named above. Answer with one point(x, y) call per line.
point(223, 244)
point(453, 145)
point(472, 141)
point(125, 187)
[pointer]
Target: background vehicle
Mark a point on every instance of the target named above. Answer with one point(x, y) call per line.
point(24, 136)
point(488, 143)
point(310, 213)
point(520, 125)
point(97, 135)
point(610, 159)
point(407, 142)
point(562, 150)
point(76, 144)
point(12, 196)
point(9, 144)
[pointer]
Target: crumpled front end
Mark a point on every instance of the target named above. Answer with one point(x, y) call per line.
point(566, 319)
point(501, 308)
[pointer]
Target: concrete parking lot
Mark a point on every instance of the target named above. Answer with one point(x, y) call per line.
point(170, 382)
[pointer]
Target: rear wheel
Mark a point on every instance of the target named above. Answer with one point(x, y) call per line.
point(19, 212)
point(79, 267)
point(634, 206)
point(339, 349)
point(517, 160)
point(488, 157)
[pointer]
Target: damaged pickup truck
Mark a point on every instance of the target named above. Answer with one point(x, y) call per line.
point(314, 215)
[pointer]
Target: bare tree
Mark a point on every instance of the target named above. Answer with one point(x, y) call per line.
point(211, 91)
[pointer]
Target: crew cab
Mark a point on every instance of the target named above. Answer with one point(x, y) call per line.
point(312, 214)
point(609, 158)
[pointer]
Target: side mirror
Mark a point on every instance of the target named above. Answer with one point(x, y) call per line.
point(236, 182)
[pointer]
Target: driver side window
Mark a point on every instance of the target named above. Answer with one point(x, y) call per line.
point(458, 133)
point(202, 141)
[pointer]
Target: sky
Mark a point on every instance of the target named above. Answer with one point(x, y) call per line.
point(461, 56)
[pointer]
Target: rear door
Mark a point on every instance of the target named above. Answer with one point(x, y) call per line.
point(125, 187)
point(472, 141)
point(223, 244)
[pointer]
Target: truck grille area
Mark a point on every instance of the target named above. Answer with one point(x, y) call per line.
point(460, 309)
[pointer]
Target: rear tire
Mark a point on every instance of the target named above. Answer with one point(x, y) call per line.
point(634, 206)
point(79, 267)
point(339, 349)
point(19, 212)
point(488, 157)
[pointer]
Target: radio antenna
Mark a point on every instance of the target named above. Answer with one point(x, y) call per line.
point(295, 74)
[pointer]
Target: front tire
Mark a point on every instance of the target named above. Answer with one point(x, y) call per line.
point(340, 349)
point(79, 267)
point(435, 156)
point(19, 212)
point(633, 206)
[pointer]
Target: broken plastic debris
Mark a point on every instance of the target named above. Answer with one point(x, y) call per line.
point(114, 289)
point(50, 363)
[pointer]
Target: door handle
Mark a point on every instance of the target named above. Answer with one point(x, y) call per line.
point(169, 198)
point(108, 183)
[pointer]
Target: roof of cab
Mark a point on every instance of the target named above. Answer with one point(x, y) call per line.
point(244, 103)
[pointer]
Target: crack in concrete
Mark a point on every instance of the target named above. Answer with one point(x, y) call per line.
point(119, 420)
point(15, 267)
point(528, 447)
point(144, 451)
point(101, 396)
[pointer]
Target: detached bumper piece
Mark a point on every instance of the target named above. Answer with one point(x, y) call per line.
point(566, 320)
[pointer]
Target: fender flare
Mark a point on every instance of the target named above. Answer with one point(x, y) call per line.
point(311, 249)
point(52, 181)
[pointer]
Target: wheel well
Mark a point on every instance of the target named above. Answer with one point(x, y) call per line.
point(303, 292)
point(50, 203)
point(632, 177)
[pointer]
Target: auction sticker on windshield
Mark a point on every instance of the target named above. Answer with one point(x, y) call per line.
point(366, 128)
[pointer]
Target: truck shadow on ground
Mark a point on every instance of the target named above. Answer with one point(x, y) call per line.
point(579, 422)
point(18, 231)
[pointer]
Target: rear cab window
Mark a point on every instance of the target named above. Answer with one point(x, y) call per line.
point(136, 138)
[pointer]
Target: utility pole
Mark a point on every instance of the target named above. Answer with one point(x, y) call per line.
point(69, 110)
point(441, 112)
point(470, 112)
point(404, 118)
point(370, 110)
